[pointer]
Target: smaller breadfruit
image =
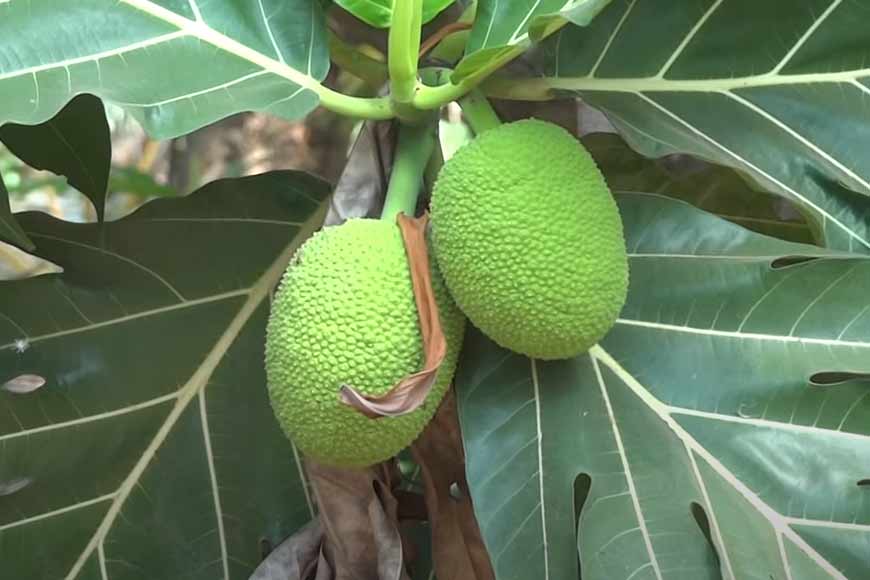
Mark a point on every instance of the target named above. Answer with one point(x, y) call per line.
point(529, 240)
point(345, 314)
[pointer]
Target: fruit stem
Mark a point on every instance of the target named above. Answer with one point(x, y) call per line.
point(478, 111)
point(413, 150)
point(403, 49)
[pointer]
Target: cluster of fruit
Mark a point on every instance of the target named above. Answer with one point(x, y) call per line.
point(526, 242)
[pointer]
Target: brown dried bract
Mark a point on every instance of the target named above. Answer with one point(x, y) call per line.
point(410, 393)
point(356, 534)
point(358, 512)
point(458, 551)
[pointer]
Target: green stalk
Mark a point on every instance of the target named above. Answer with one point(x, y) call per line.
point(478, 112)
point(531, 89)
point(413, 150)
point(434, 97)
point(379, 108)
point(404, 47)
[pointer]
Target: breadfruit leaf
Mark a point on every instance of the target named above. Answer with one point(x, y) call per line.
point(174, 65)
point(696, 440)
point(151, 444)
point(779, 95)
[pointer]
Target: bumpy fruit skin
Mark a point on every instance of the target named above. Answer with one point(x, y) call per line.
point(345, 314)
point(530, 241)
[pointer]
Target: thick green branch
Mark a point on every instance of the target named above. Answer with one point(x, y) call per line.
point(404, 48)
point(413, 150)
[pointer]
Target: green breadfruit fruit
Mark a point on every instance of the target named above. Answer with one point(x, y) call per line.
point(529, 240)
point(345, 314)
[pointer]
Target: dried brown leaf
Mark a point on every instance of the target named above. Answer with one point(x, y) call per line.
point(359, 517)
point(296, 558)
point(410, 393)
point(458, 551)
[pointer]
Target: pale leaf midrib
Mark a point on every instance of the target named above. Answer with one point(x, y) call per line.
point(91, 418)
point(658, 82)
point(714, 519)
point(767, 423)
point(731, 257)
point(212, 474)
point(742, 335)
point(186, 27)
point(758, 171)
point(641, 86)
point(779, 523)
point(688, 38)
point(58, 511)
point(198, 381)
point(221, 86)
point(115, 255)
point(540, 443)
point(122, 319)
point(859, 181)
point(101, 553)
point(629, 478)
point(94, 57)
point(201, 30)
point(614, 33)
point(715, 85)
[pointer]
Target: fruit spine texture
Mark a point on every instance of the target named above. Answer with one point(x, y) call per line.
point(345, 314)
point(530, 241)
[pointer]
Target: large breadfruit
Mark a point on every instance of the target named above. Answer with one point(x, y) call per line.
point(345, 314)
point(529, 240)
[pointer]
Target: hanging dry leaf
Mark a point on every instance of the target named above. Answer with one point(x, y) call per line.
point(458, 551)
point(296, 558)
point(411, 392)
point(360, 525)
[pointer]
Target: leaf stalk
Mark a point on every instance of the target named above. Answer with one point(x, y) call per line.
point(403, 49)
point(428, 98)
point(379, 108)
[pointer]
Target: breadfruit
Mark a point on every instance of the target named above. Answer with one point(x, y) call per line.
point(529, 240)
point(345, 313)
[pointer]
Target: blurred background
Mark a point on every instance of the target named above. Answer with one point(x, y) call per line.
point(143, 169)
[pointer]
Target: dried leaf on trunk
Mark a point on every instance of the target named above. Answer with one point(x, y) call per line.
point(458, 551)
point(359, 517)
point(296, 558)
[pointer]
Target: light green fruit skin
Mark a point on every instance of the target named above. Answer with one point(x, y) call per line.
point(345, 314)
point(529, 240)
